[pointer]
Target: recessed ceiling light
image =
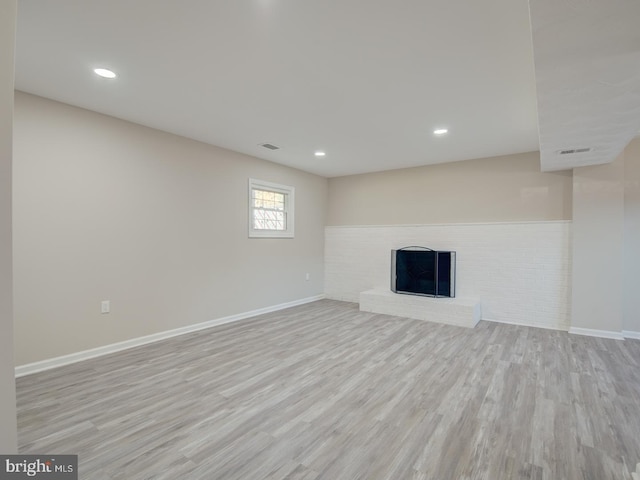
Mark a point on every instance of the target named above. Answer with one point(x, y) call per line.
point(440, 131)
point(103, 72)
point(320, 154)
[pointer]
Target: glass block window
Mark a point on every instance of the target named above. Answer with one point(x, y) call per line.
point(270, 209)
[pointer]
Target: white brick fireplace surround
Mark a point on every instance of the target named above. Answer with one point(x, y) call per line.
point(520, 272)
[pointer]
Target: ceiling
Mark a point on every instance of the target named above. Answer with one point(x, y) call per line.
point(366, 81)
point(587, 57)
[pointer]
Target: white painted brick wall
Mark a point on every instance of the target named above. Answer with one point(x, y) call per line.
point(521, 272)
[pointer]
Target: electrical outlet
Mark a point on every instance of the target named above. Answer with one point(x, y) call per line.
point(105, 306)
point(307, 277)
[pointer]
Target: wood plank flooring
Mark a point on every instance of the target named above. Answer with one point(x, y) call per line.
point(324, 391)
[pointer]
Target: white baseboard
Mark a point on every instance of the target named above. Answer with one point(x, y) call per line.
point(634, 335)
point(561, 328)
point(597, 333)
point(48, 364)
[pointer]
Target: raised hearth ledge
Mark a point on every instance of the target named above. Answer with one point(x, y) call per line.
point(462, 312)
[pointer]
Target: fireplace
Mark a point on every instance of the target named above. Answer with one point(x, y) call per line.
point(422, 271)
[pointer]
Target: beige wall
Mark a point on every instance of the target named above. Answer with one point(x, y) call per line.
point(598, 236)
point(8, 442)
point(507, 188)
point(153, 222)
point(631, 313)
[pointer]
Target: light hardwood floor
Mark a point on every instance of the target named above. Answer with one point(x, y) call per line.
point(323, 391)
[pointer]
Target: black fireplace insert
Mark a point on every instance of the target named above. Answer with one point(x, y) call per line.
point(422, 271)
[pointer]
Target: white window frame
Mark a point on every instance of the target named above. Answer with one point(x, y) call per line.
point(289, 203)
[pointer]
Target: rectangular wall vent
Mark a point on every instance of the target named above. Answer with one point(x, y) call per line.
point(270, 146)
point(571, 151)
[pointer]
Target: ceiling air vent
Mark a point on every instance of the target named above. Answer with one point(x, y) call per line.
point(270, 146)
point(571, 151)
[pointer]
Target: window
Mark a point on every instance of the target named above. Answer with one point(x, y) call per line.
point(270, 209)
